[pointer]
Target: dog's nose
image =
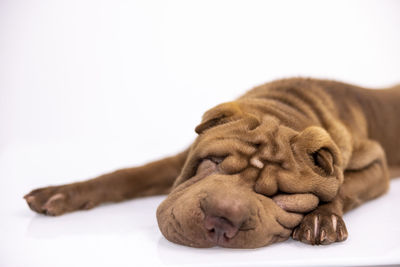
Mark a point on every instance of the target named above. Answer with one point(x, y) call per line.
point(223, 217)
point(219, 229)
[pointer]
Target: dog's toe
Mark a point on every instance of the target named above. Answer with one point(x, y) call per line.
point(55, 205)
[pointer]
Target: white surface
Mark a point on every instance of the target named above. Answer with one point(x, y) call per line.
point(88, 86)
point(127, 234)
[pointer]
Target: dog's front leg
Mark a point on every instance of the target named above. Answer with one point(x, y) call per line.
point(151, 179)
point(365, 178)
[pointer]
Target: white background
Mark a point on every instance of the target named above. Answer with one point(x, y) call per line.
point(90, 86)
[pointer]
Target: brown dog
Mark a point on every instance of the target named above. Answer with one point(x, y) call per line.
point(259, 164)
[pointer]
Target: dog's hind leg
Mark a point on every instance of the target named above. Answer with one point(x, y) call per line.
point(365, 178)
point(394, 171)
point(154, 178)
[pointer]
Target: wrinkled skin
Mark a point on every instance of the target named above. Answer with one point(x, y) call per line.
point(244, 190)
point(259, 220)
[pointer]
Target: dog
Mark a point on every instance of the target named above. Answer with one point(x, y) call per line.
point(287, 158)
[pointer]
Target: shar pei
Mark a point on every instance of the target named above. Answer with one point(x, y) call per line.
point(286, 159)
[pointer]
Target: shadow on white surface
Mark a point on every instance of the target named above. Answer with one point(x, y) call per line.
point(109, 219)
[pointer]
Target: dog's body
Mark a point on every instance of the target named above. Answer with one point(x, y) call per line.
point(259, 164)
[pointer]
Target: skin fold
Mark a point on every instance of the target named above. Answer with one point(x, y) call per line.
point(286, 159)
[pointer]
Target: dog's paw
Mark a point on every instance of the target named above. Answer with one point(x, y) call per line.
point(320, 228)
point(57, 200)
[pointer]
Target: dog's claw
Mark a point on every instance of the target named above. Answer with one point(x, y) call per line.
point(323, 236)
point(342, 234)
point(308, 235)
point(295, 232)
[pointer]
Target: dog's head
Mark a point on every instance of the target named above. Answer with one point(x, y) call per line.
point(247, 179)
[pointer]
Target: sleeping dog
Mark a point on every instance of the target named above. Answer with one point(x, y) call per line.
point(287, 158)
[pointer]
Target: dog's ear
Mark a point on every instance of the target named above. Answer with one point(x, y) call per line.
point(220, 114)
point(318, 149)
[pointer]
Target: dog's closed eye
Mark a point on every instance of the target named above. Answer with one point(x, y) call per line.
point(208, 165)
point(216, 160)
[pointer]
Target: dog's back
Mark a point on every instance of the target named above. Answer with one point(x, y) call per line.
point(380, 109)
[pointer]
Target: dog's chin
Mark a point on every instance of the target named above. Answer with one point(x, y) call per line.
point(186, 227)
point(182, 221)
